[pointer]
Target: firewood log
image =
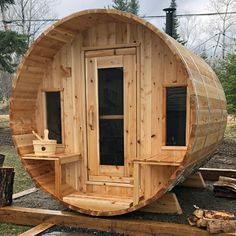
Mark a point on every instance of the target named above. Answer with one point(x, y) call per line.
point(221, 226)
point(222, 215)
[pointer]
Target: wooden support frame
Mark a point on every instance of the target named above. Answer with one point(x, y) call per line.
point(195, 181)
point(33, 216)
point(167, 204)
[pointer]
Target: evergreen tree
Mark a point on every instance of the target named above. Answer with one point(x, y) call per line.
point(226, 71)
point(12, 45)
point(175, 35)
point(121, 5)
point(134, 6)
point(131, 6)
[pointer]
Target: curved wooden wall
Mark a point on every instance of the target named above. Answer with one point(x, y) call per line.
point(63, 42)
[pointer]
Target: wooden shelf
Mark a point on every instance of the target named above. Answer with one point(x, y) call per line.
point(157, 162)
point(59, 160)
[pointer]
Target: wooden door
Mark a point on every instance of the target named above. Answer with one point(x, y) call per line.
point(111, 113)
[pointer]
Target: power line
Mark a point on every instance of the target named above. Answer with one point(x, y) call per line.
point(148, 16)
point(193, 14)
point(205, 41)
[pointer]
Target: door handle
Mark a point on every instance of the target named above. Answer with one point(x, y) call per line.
point(91, 117)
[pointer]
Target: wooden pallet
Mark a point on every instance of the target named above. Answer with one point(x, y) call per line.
point(122, 225)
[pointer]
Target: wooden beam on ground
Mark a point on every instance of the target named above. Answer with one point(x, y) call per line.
point(195, 181)
point(24, 193)
point(32, 216)
point(213, 174)
point(167, 204)
point(37, 229)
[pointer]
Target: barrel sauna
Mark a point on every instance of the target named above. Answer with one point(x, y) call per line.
point(132, 110)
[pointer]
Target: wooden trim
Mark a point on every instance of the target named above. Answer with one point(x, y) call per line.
point(115, 184)
point(115, 179)
point(175, 148)
point(122, 225)
point(130, 45)
point(24, 193)
point(187, 127)
point(158, 163)
point(110, 62)
point(112, 117)
point(37, 229)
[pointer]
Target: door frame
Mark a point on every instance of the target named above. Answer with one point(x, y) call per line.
point(111, 58)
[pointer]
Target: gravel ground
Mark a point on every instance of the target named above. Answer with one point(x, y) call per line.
point(188, 197)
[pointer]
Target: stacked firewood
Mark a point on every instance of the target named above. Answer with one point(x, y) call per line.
point(213, 221)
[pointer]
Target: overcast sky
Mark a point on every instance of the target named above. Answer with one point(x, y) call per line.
point(155, 7)
point(147, 7)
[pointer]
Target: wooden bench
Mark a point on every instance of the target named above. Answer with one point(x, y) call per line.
point(59, 160)
point(161, 161)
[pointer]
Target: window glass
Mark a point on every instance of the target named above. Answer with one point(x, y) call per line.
point(53, 110)
point(176, 116)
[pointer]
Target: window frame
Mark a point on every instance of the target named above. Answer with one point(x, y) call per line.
point(164, 146)
point(44, 91)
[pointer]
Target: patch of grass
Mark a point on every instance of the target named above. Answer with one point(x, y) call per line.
point(4, 107)
point(22, 180)
point(230, 132)
point(4, 121)
point(10, 229)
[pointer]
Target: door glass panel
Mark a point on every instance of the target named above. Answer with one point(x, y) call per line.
point(111, 123)
point(110, 91)
point(111, 142)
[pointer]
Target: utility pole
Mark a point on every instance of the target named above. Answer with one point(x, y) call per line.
point(169, 20)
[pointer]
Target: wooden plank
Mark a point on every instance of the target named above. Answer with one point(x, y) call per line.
point(110, 62)
point(137, 180)
point(130, 112)
point(92, 115)
point(195, 181)
point(167, 204)
point(111, 46)
point(37, 229)
point(24, 193)
point(213, 173)
point(33, 216)
point(58, 180)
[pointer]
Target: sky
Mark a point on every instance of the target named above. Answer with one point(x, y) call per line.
point(201, 29)
point(147, 7)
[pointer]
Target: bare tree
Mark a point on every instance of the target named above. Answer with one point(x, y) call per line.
point(190, 30)
point(5, 85)
point(224, 24)
point(28, 16)
point(4, 4)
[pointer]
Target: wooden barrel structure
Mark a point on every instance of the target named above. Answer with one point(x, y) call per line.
point(132, 110)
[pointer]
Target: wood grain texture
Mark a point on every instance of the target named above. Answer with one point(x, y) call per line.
point(66, 57)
